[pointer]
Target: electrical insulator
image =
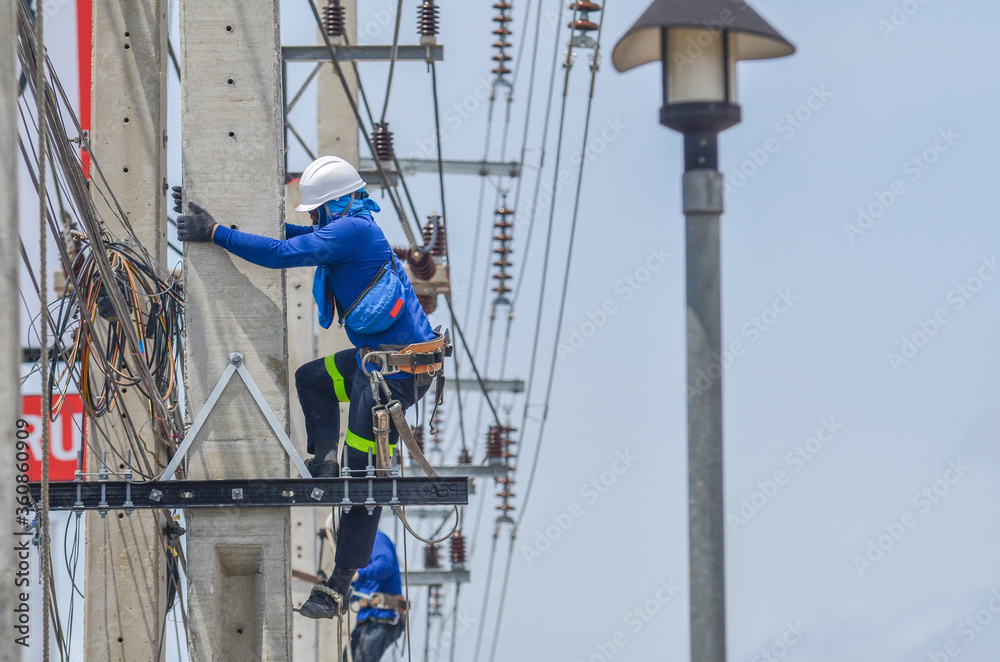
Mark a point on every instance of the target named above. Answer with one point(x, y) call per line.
point(582, 22)
point(458, 549)
point(333, 19)
point(434, 601)
point(505, 507)
point(428, 302)
point(501, 250)
point(441, 245)
point(501, 44)
point(432, 557)
point(465, 457)
point(494, 443)
point(382, 141)
point(427, 22)
point(437, 425)
point(418, 436)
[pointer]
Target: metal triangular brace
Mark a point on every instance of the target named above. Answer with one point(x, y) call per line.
point(235, 366)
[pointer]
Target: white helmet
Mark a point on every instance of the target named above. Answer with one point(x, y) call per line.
point(327, 178)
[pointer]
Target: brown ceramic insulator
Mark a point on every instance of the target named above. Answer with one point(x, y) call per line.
point(501, 289)
point(427, 19)
point(505, 481)
point(508, 429)
point(465, 457)
point(502, 6)
point(502, 57)
point(505, 507)
point(501, 44)
point(382, 141)
point(503, 31)
point(432, 557)
point(502, 237)
point(584, 6)
point(428, 302)
point(501, 71)
point(503, 250)
point(583, 25)
point(402, 252)
point(424, 268)
point(494, 442)
point(418, 436)
point(501, 276)
point(504, 211)
point(442, 238)
point(333, 19)
point(503, 19)
point(503, 263)
point(507, 455)
point(503, 224)
point(458, 549)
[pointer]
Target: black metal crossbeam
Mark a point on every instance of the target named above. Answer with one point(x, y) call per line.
point(119, 495)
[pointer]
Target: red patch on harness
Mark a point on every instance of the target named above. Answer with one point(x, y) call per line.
point(395, 309)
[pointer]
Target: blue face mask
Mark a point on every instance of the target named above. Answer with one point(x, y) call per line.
point(346, 206)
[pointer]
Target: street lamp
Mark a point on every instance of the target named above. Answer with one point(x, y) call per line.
point(698, 43)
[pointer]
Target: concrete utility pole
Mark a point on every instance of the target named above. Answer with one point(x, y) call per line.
point(10, 396)
point(316, 641)
point(239, 596)
point(125, 568)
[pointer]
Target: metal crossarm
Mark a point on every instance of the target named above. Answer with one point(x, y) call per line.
point(370, 53)
point(267, 492)
point(438, 577)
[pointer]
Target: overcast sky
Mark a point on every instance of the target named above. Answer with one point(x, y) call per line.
point(860, 293)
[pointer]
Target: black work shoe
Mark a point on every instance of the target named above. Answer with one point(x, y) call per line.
point(323, 469)
point(324, 602)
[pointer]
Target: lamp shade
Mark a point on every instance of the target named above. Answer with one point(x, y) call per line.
point(745, 32)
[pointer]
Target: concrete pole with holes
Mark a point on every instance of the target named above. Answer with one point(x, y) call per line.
point(239, 571)
point(337, 129)
point(10, 398)
point(125, 563)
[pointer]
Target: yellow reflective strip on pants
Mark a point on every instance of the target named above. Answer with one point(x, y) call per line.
point(364, 445)
point(338, 379)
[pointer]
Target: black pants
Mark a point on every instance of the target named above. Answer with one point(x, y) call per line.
point(322, 385)
point(371, 639)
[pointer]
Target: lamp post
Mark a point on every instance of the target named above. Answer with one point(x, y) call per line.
point(698, 43)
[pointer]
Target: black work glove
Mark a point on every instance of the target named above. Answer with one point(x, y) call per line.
point(197, 226)
point(178, 193)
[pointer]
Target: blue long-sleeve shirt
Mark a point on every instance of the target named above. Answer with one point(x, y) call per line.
point(354, 248)
point(381, 575)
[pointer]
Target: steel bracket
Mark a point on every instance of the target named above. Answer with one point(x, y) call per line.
point(236, 366)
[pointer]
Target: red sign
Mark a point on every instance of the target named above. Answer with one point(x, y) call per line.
point(66, 436)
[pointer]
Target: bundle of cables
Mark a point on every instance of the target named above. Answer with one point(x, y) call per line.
point(155, 309)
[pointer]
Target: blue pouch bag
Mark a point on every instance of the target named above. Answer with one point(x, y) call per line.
point(379, 305)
